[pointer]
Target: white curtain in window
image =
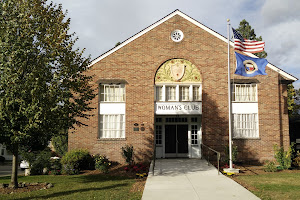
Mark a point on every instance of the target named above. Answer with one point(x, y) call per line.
point(112, 126)
point(245, 92)
point(245, 125)
point(171, 93)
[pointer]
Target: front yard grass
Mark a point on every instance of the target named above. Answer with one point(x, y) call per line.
point(277, 185)
point(99, 186)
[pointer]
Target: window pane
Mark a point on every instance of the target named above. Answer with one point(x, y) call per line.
point(158, 134)
point(112, 126)
point(184, 93)
point(112, 92)
point(245, 125)
point(244, 92)
point(158, 93)
point(194, 134)
point(197, 93)
point(171, 93)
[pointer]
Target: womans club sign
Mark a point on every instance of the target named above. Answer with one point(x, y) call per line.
point(176, 108)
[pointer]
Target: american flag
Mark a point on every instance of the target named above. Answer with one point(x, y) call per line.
point(245, 45)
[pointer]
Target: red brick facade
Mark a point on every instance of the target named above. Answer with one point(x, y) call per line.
point(137, 63)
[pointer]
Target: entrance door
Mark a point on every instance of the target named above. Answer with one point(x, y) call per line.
point(176, 140)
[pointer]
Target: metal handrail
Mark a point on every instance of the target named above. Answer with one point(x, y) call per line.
point(218, 155)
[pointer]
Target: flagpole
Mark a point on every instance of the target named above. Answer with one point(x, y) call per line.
point(229, 98)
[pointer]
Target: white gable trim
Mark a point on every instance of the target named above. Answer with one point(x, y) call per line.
point(195, 22)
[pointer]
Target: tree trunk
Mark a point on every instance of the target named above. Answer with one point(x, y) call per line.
point(14, 171)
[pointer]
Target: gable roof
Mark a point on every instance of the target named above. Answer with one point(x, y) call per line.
point(195, 22)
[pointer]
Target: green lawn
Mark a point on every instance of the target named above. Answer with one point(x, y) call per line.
point(77, 187)
point(282, 185)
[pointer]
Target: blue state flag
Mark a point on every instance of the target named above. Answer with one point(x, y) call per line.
point(248, 66)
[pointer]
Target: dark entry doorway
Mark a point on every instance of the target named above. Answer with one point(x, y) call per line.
point(176, 140)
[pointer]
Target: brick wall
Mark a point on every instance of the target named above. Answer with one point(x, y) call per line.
point(137, 63)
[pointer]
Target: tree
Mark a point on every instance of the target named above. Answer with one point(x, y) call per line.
point(292, 95)
point(247, 32)
point(44, 86)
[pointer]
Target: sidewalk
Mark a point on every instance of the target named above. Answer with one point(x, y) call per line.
point(191, 179)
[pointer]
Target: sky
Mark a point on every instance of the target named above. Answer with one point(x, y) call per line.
point(100, 24)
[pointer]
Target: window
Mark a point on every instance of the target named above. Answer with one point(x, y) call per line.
point(159, 93)
point(244, 93)
point(178, 93)
point(112, 126)
point(184, 93)
point(194, 134)
point(112, 92)
point(245, 125)
point(158, 134)
point(176, 119)
point(194, 119)
point(158, 120)
point(197, 93)
point(171, 93)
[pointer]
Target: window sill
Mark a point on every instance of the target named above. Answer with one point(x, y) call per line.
point(111, 139)
point(241, 138)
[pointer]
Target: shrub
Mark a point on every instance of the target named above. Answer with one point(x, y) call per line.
point(76, 160)
point(234, 153)
point(55, 168)
point(284, 158)
point(38, 160)
point(270, 166)
point(127, 153)
point(102, 163)
point(297, 160)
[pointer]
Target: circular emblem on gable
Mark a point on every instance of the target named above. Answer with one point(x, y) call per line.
point(177, 35)
point(250, 66)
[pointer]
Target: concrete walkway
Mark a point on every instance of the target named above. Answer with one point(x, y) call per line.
point(188, 179)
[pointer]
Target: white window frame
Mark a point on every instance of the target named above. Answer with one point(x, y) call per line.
point(247, 94)
point(162, 93)
point(170, 96)
point(106, 95)
point(158, 135)
point(159, 93)
point(194, 134)
point(111, 126)
point(197, 95)
point(245, 125)
point(184, 93)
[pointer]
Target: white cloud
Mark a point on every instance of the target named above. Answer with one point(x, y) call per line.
point(101, 24)
point(278, 11)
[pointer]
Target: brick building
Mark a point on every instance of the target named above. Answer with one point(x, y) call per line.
point(167, 85)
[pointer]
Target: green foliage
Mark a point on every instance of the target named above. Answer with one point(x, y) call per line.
point(55, 167)
point(284, 158)
point(38, 160)
point(247, 32)
point(297, 160)
point(293, 108)
point(102, 163)
point(76, 160)
point(60, 144)
point(270, 166)
point(43, 84)
point(127, 153)
point(234, 153)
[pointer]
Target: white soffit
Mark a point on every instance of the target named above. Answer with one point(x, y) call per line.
point(195, 22)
